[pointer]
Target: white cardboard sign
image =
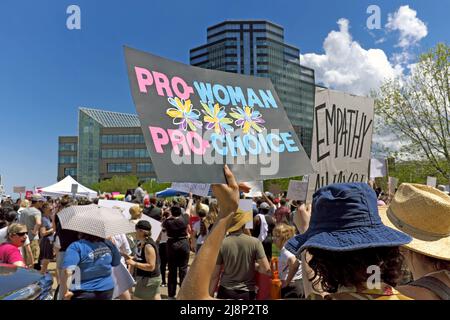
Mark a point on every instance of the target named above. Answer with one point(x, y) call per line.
point(297, 190)
point(431, 181)
point(199, 189)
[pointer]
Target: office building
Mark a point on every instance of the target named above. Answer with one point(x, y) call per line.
point(108, 144)
point(257, 48)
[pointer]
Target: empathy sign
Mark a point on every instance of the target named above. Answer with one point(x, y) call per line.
point(194, 120)
point(342, 138)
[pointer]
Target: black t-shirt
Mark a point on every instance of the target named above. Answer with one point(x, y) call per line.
point(66, 237)
point(176, 227)
point(153, 212)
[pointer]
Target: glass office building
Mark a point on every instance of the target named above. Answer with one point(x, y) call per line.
point(257, 48)
point(108, 144)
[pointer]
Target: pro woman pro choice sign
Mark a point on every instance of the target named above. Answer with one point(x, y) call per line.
point(195, 120)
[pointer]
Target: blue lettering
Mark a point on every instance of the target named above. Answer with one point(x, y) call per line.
point(263, 142)
point(253, 98)
point(214, 137)
point(268, 98)
point(253, 150)
point(289, 142)
point(204, 92)
point(234, 144)
point(226, 98)
point(236, 95)
point(270, 138)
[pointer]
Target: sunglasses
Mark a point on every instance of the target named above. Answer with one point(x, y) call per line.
point(21, 234)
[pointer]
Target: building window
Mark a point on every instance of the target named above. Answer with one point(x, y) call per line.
point(67, 159)
point(122, 139)
point(67, 147)
point(124, 153)
point(70, 172)
point(119, 167)
point(144, 167)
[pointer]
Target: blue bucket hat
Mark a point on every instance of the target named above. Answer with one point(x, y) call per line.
point(345, 218)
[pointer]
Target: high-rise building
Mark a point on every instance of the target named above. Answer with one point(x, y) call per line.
point(257, 48)
point(108, 144)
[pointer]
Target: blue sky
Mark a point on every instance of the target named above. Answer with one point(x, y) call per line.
point(48, 71)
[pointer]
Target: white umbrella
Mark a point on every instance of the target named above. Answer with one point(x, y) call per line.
point(124, 208)
point(94, 220)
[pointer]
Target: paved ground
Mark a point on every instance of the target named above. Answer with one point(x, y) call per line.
point(52, 267)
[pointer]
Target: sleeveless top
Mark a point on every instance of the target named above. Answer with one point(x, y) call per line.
point(140, 257)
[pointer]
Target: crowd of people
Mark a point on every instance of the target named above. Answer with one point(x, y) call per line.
point(352, 242)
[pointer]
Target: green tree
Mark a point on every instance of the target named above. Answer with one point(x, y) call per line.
point(123, 183)
point(417, 110)
point(117, 183)
point(151, 186)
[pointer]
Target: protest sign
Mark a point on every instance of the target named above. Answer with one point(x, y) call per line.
point(256, 189)
point(19, 189)
point(431, 181)
point(342, 138)
point(392, 185)
point(275, 189)
point(199, 189)
point(378, 168)
point(195, 120)
point(246, 205)
point(297, 190)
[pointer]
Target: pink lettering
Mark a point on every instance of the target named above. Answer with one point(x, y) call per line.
point(162, 83)
point(159, 137)
point(143, 82)
point(187, 90)
point(202, 144)
point(177, 138)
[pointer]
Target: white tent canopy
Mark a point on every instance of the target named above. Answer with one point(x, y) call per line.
point(64, 187)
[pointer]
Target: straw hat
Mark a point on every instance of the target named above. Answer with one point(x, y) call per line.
point(240, 218)
point(423, 212)
point(135, 211)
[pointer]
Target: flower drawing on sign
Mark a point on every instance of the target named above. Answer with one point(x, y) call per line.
point(247, 119)
point(183, 115)
point(215, 118)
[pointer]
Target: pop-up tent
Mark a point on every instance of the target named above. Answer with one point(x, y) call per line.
point(64, 187)
point(169, 192)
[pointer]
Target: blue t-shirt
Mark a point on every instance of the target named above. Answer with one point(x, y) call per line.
point(95, 261)
point(47, 224)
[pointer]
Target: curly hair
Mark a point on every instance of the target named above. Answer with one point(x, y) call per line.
point(333, 269)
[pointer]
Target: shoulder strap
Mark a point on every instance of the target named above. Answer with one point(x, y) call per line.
point(434, 285)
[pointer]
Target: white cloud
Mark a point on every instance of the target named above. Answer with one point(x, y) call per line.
point(411, 28)
point(348, 67)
